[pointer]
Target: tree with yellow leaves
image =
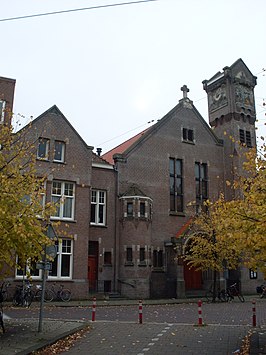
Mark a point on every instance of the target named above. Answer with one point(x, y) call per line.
point(243, 220)
point(22, 214)
point(232, 233)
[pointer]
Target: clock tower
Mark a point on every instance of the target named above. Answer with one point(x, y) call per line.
point(232, 115)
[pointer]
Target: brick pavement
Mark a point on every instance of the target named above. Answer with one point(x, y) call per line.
point(116, 338)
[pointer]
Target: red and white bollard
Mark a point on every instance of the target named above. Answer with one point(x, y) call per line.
point(140, 312)
point(199, 312)
point(93, 309)
point(254, 320)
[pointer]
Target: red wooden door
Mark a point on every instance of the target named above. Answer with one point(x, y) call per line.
point(92, 272)
point(193, 278)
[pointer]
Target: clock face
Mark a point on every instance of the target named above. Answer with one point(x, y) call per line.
point(218, 98)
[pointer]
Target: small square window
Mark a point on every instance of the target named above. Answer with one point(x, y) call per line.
point(253, 274)
point(59, 151)
point(43, 149)
point(188, 135)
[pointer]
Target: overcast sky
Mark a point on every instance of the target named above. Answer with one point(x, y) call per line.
point(112, 70)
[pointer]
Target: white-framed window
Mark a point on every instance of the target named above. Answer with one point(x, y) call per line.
point(98, 207)
point(63, 196)
point(43, 148)
point(42, 199)
point(29, 268)
point(2, 110)
point(59, 151)
point(63, 262)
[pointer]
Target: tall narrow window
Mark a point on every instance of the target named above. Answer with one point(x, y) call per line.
point(158, 258)
point(2, 110)
point(62, 264)
point(107, 258)
point(142, 209)
point(43, 149)
point(248, 139)
point(176, 185)
point(63, 196)
point(129, 209)
point(129, 256)
point(59, 151)
point(142, 256)
point(245, 138)
point(201, 178)
point(98, 207)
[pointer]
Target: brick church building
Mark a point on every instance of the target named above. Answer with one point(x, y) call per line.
point(126, 211)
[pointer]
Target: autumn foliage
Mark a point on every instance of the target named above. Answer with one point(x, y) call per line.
point(233, 232)
point(22, 215)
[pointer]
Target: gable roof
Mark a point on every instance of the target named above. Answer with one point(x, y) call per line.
point(55, 111)
point(126, 147)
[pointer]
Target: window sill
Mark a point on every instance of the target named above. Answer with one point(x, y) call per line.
point(59, 162)
point(158, 269)
point(63, 219)
point(98, 225)
point(129, 263)
point(43, 159)
point(188, 142)
point(142, 264)
point(174, 213)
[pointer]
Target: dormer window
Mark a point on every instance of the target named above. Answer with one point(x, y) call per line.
point(188, 135)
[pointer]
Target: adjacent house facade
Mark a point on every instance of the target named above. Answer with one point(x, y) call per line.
point(124, 213)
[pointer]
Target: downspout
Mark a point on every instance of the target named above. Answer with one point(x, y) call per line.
point(116, 232)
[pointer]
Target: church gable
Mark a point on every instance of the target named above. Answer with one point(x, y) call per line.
point(182, 128)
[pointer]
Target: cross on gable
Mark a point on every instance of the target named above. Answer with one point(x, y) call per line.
point(185, 90)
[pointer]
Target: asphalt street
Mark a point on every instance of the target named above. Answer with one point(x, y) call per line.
point(167, 328)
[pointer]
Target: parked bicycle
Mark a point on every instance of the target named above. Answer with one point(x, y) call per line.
point(4, 290)
point(221, 295)
point(57, 292)
point(233, 292)
point(261, 290)
point(23, 295)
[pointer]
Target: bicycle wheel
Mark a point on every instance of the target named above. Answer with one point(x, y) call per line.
point(48, 296)
point(241, 297)
point(209, 296)
point(27, 299)
point(38, 295)
point(4, 294)
point(65, 295)
point(223, 296)
point(2, 321)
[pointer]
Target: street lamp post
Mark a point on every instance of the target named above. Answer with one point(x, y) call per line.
point(45, 265)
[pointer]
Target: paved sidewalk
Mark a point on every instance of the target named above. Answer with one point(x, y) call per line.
point(22, 337)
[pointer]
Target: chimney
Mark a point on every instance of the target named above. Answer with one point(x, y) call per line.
point(99, 151)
